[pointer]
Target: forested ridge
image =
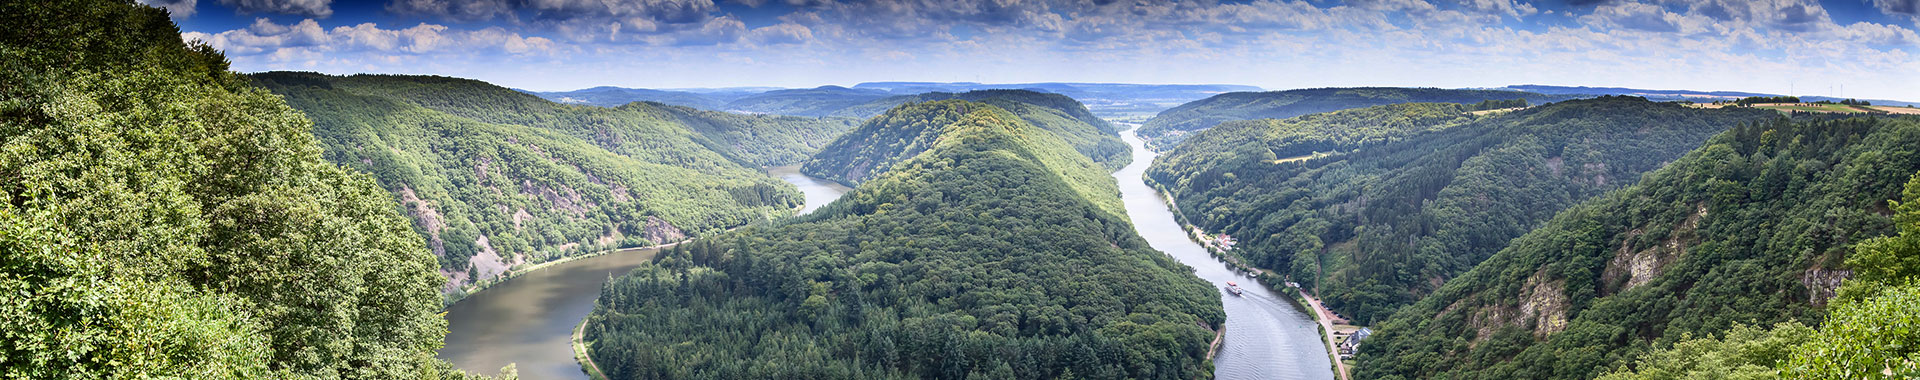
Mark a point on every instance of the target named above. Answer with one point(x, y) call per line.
point(996, 251)
point(1165, 130)
point(1056, 113)
point(564, 180)
point(1403, 197)
point(906, 131)
point(165, 219)
point(1715, 265)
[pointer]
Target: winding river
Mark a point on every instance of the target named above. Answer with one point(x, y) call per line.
point(1267, 337)
point(528, 320)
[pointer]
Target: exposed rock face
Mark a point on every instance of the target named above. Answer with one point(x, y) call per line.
point(1542, 306)
point(1544, 303)
point(1822, 283)
point(659, 231)
point(423, 213)
point(487, 263)
point(1630, 269)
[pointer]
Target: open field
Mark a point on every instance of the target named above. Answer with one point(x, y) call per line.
point(1897, 110)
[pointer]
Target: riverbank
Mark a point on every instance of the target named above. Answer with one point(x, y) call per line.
point(1300, 298)
point(580, 353)
point(471, 289)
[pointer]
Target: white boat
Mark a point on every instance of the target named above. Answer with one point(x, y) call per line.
point(1234, 288)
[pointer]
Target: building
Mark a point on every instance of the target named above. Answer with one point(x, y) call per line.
point(1352, 344)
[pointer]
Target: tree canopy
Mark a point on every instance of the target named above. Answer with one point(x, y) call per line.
point(164, 219)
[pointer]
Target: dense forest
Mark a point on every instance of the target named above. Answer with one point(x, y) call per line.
point(995, 252)
point(904, 132)
point(164, 219)
point(1714, 265)
point(1167, 129)
point(1375, 207)
point(495, 178)
point(1056, 113)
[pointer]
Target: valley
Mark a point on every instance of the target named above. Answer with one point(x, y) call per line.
point(271, 189)
point(527, 321)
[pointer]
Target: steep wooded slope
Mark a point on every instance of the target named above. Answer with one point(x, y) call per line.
point(1755, 227)
point(1423, 192)
point(489, 195)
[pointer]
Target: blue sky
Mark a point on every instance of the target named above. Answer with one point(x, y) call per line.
point(1867, 47)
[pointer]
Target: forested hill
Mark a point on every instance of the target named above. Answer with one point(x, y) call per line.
point(1412, 195)
point(908, 130)
point(980, 256)
point(1056, 113)
point(1205, 113)
point(1758, 226)
point(755, 140)
point(495, 178)
point(164, 219)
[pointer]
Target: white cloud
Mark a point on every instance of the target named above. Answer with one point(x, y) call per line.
point(310, 8)
point(175, 8)
point(783, 33)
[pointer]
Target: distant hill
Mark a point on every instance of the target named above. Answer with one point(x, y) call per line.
point(1662, 95)
point(494, 178)
point(1056, 113)
point(1105, 99)
point(1166, 128)
point(616, 96)
point(1375, 207)
point(994, 252)
point(886, 139)
point(819, 101)
point(1760, 225)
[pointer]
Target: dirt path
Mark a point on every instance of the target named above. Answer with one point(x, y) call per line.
point(580, 352)
point(1326, 330)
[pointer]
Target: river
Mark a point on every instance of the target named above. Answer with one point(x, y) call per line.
point(528, 320)
point(1267, 336)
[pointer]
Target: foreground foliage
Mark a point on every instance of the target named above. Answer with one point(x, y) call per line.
point(977, 257)
point(1375, 207)
point(163, 219)
point(1757, 227)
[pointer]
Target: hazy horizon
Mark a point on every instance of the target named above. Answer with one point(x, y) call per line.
point(1847, 48)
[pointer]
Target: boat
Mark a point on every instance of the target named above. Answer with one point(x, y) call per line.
point(1234, 288)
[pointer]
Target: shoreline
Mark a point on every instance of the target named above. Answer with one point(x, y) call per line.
point(579, 345)
point(1306, 302)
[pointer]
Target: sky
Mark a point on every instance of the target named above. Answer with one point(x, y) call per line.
point(1850, 48)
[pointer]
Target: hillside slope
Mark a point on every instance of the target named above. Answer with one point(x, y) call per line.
point(1752, 228)
point(1205, 113)
point(1423, 192)
point(1056, 113)
point(495, 178)
point(163, 219)
point(979, 256)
